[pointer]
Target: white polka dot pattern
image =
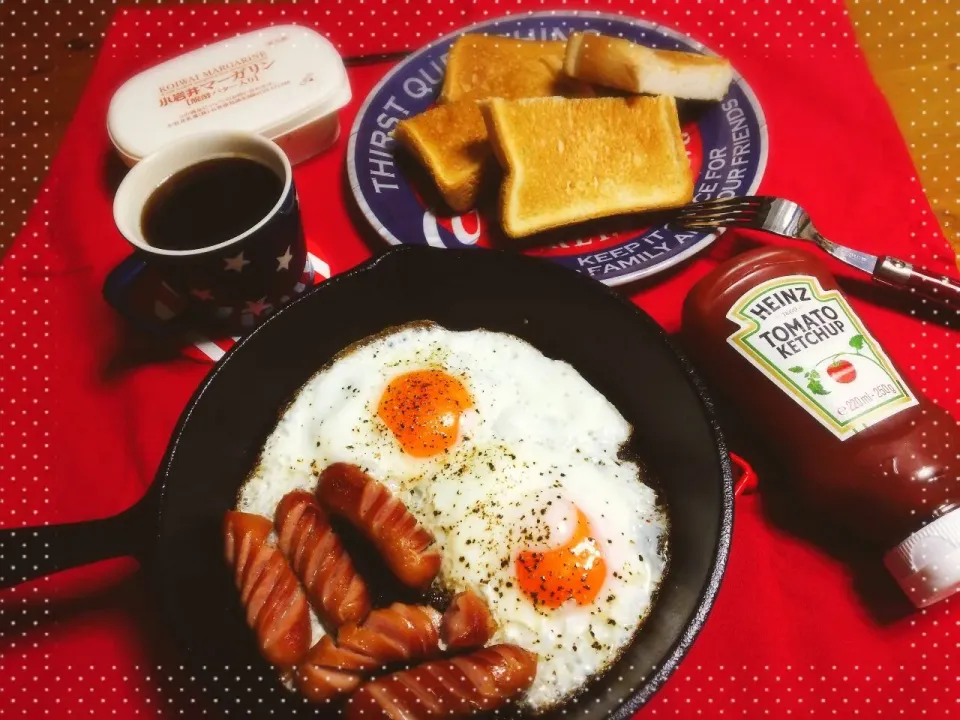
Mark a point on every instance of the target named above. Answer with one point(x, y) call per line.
point(86, 644)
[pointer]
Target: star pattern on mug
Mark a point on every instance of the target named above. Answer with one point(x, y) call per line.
point(283, 262)
point(258, 307)
point(201, 294)
point(235, 263)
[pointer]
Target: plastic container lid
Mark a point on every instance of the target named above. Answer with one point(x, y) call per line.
point(927, 564)
point(280, 82)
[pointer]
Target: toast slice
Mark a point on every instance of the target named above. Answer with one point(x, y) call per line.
point(485, 66)
point(618, 63)
point(450, 141)
point(567, 161)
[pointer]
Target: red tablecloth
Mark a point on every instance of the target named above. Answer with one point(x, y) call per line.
point(85, 415)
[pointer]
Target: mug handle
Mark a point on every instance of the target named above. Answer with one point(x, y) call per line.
point(136, 289)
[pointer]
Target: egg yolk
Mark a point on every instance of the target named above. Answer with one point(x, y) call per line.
point(422, 410)
point(575, 570)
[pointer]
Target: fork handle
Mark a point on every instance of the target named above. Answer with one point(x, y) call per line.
point(933, 286)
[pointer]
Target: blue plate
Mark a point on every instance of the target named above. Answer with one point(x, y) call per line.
point(726, 142)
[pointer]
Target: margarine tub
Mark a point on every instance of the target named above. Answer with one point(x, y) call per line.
point(287, 83)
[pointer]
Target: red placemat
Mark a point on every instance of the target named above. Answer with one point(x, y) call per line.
point(85, 413)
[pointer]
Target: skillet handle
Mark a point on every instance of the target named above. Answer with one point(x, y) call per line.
point(746, 482)
point(32, 552)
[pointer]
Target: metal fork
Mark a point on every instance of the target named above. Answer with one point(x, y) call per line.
point(786, 218)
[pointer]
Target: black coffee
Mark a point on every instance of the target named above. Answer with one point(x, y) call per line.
point(209, 203)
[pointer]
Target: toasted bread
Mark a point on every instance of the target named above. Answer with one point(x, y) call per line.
point(486, 66)
point(567, 161)
point(450, 141)
point(621, 64)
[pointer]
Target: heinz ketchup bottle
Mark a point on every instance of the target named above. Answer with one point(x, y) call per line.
point(771, 331)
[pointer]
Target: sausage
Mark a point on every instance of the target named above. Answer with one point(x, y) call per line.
point(459, 687)
point(404, 544)
point(400, 632)
point(467, 623)
point(275, 603)
point(336, 591)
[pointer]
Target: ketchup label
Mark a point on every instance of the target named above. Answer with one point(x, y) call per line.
point(812, 345)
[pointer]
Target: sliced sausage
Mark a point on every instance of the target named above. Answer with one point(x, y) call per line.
point(336, 590)
point(404, 544)
point(275, 603)
point(400, 632)
point(456, 688)
point(467, 623)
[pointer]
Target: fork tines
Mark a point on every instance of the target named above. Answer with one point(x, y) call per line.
point(722, 213)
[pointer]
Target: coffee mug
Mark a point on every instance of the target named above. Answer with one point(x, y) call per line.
point(228, 284)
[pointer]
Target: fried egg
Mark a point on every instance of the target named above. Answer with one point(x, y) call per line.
point(513, 461)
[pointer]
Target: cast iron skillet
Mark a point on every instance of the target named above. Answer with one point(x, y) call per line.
point(175, 528)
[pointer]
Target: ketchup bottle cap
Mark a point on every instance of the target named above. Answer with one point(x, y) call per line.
point(927, 564)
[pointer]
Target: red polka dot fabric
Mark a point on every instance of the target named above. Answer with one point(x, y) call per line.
point(86, 410)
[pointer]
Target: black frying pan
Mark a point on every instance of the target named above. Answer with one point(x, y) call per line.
point(175, 528)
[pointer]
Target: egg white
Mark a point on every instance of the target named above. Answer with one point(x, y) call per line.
point(538, 441)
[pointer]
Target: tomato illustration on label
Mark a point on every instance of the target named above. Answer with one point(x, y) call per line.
point(838, 369)
point(842, 371)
